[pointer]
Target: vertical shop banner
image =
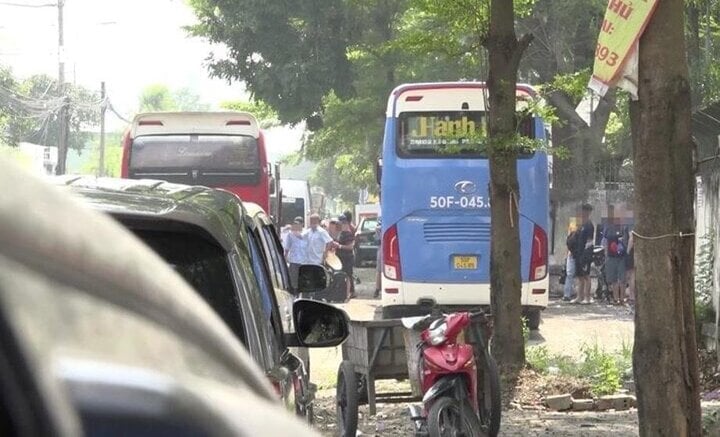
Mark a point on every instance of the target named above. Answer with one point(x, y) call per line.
point(617, 46)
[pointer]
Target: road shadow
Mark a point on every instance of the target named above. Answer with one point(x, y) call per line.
point(535, 338)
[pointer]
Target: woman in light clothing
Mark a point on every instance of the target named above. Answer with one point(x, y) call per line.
point(569, 290)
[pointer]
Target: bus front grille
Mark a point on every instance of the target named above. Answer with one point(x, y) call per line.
point(456, 232)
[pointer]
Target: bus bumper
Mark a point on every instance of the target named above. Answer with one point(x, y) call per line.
point(414, 298)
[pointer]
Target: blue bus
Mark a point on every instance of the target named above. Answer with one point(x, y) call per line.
point(435, 206)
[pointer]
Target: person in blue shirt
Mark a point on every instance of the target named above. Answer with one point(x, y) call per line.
point(295, 250)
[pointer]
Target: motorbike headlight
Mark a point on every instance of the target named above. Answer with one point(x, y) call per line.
point(437, 333)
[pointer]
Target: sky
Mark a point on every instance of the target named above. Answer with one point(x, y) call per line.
point(129, 44)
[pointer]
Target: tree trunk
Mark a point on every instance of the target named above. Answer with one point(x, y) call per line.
point(504, 52)
point(693, 46)
point(574, 176)
point(665, 353)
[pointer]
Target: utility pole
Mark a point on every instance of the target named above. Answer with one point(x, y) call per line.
point(103, 108)
point(63, 113)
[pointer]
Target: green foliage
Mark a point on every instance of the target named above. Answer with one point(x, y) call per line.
point(704, 280)
point(327, 176)
point(187, 100)
point(113, 156)
point(266, 116)
point(574, 85)
point(704, 269)
point(30, 111)
point(603, 370)
point(711, 422)
point(155, 98)
point(288, 55)
point(158, 97)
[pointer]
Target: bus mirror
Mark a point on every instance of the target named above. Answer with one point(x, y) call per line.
point(273, 186)
point(378, 170)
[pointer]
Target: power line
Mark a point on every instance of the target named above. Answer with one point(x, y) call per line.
point(25, 5)
point(117, 114)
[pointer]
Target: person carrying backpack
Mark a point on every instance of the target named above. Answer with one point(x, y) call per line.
point(615, 252)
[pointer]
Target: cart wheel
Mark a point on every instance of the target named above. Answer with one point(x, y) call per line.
point(347, 399)
point(361, 388)
point(489, 396)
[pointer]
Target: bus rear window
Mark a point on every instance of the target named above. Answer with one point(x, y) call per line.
point(201, 152)
point(450, 134)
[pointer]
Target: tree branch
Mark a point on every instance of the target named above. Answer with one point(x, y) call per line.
point(562, 103)
point(520, 48)
point(601, 115)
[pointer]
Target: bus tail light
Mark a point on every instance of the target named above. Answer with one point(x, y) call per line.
point(539, 254)
point(391, 254)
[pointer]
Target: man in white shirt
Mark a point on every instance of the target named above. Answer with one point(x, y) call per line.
point(295, 250)
point(319, 242)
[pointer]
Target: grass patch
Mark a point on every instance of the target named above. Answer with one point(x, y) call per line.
point(603, 371)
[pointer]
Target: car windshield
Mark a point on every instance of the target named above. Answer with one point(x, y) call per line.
point(204, 265)
point(369, 225)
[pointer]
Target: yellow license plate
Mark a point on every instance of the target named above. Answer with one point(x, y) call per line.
point(465, 262)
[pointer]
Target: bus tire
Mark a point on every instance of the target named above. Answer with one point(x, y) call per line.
point(533, 320)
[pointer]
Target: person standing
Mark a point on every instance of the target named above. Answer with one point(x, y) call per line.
point(572, 244)
point(630, 269)
point(378, 265)
point(319, 242)
point(346, 244)
point(333, 228)
point(295, 251)
point(614, 246)
point(349, 217)
point(584, 256)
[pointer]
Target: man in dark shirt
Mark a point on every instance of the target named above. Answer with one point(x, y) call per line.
point(346, 242)
point(583, 256)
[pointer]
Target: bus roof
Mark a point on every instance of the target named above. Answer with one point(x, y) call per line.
point(221, 123)
point(295, 188)
point(442, 96)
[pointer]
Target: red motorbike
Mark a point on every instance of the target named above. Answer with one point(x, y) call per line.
point(459, 380)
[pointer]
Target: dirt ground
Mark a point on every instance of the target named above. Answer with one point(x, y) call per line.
point(565, 329)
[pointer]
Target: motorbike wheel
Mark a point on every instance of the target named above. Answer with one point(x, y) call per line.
point(448, 417)
point(347, 399)
point(489, 397)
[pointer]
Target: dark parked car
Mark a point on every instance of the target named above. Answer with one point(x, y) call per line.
point(366, 241)
point(207, 237)
point(98, 336)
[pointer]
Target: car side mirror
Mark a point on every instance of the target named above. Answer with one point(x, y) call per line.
point(317, 324)
point(312, 278)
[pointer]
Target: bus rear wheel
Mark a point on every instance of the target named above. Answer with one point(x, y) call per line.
point(533, 320)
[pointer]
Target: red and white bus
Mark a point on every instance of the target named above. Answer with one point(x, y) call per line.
point(214, 149)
